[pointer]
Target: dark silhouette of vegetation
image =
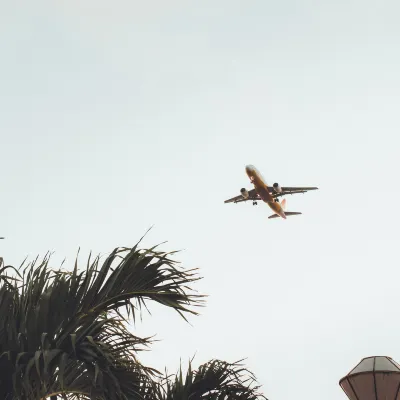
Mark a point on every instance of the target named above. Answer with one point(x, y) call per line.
point(64, 334)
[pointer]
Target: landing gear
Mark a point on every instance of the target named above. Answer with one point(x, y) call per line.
point(254, 203)
point(276, 200)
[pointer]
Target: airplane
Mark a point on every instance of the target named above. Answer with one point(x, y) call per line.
point(269, 195)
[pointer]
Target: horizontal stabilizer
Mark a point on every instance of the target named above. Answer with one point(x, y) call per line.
point(287, 213)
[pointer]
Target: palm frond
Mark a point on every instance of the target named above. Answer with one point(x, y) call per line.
point(214, 380)
point(64, 333)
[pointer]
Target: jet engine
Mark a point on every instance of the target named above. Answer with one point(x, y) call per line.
point(277, 188)
point(244, 193)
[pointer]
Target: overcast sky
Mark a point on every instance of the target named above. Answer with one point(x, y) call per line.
point(116, 116)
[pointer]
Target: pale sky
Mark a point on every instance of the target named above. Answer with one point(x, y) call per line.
point(121, 115)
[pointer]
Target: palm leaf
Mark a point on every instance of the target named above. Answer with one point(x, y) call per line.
point(214, 380)
point(64, 333)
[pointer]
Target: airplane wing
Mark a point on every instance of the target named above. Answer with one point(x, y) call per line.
point(290, 190)
point(296, 189)
point(252, 196)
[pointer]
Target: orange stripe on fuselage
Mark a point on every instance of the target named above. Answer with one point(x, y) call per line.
point(259, 184)
point(262, 189)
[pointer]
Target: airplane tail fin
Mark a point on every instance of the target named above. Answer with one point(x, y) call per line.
point(288, 214)
point(283, 204)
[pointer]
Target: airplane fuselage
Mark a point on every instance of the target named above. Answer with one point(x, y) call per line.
point(262, 190)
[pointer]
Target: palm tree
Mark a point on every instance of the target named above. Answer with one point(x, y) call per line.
point(64, 334)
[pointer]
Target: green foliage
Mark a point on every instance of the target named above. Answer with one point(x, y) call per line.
point(65, 335)
point(215, 380)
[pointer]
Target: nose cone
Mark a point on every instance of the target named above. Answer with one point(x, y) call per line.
point(251, 171)
point(250, 168)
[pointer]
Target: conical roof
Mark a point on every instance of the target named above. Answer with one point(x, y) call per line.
point(375, 364)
